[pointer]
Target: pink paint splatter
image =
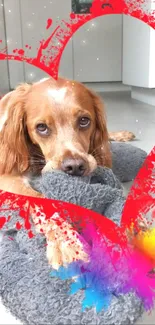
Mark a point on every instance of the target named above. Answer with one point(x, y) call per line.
point(2, 222)
point(49, 23)
point(18, 225)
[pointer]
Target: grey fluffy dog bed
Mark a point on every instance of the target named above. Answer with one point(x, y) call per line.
point(26, 286)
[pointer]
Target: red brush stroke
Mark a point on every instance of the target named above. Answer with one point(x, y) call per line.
point(141, 198)
point(48, 59)
point(139, 201)
point(77, 215)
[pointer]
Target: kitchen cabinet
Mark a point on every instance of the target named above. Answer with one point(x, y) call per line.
point(138, 51)
point(97, 49)
point(94, 54)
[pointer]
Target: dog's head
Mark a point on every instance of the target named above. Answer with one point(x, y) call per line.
point(62, 119)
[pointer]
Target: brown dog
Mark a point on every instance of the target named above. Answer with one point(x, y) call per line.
point(52, 125)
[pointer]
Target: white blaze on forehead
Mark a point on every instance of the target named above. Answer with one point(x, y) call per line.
point(58, 95)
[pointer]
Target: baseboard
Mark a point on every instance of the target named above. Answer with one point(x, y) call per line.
point(144, 95)
point(107, 86)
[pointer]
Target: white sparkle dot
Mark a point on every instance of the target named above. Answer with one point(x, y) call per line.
point(84, 42)
point(97, 59)
point(2, 5)
point(29, 25)
point(88, 30)
point(9, 10)
point(93, 24)
point(45, 7)
point(80, 69)
point(31, 75)
point(136, 121)
point(140, 132)
point(33, 13)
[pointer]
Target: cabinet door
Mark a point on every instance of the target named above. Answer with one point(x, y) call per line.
point(4, 71)
point(97, 50)
point(138, 52)
point(14, 40)
point(26, 24)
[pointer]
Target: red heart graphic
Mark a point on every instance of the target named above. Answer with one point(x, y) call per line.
point(48, 59)
point(140, 199)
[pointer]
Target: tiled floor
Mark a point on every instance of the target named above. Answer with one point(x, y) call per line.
point(123, 113)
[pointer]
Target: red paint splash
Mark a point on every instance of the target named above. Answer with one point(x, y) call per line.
point(9, 218)
point(3, 220)
point(30, 234)
point(21, 52)
point(49, 23)
point(18, 225)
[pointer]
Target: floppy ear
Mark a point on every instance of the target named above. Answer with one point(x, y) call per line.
point(14, 154)
point(100, 146)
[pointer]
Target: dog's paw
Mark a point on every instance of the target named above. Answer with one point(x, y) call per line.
point(65, 246)
point(122, 136)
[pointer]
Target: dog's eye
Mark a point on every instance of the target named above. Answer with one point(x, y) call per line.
point(42, 128)
point(84, 122)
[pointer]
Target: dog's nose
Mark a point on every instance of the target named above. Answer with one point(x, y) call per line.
point(74, 167)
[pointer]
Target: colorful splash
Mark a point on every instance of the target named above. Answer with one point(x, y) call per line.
point(115, 267)
point(122, 261)
point(111, 271)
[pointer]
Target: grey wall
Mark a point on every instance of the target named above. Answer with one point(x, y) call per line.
point(4, 74)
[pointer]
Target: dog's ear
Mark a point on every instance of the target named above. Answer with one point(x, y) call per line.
point(14, 153)
point(100, 146)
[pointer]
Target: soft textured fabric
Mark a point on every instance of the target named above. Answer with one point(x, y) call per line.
point(26, 287)
point(127, 160)
point(101, 192)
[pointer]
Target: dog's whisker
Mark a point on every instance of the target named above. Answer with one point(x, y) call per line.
point(36, 160)
point(94, 151)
